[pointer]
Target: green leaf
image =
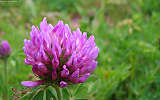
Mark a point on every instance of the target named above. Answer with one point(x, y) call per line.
point(38, 96)
point(52, 90)
point(93, 84)
point(81, 99)
point(89, 88)
point(66, 94)
point(81, 91)
point(44, 95)
point(35, 88)
point(50, 95)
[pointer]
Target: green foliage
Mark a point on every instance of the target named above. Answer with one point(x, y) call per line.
point(126, 31)
point(38, 96)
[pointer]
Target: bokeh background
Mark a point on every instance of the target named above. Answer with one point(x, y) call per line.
point(126, 31)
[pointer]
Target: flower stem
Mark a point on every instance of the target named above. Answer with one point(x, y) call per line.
point(59, 94)
point(44, 94)
point(5, 80)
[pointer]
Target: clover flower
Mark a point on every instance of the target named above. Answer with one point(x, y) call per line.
point(59, 56)
point(4, 49)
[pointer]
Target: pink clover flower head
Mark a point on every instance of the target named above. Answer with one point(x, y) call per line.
point(59, 56)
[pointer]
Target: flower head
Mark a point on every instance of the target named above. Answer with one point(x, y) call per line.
point(4, 49)
point(59, 56)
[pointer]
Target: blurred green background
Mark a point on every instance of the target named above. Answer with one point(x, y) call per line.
point(126, 31)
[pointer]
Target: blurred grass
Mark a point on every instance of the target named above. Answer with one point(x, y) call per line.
point(126, 31)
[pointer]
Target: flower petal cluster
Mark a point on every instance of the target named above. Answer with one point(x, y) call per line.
point(4, 49)
point(58, 55)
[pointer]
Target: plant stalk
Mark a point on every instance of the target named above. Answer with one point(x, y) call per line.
point(44, 94)
point(5, 80)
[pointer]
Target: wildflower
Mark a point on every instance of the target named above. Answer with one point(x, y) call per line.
point(59, 56)
point(4, 49)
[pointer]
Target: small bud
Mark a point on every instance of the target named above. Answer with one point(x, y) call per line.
point(63, 84)
point(4, 49)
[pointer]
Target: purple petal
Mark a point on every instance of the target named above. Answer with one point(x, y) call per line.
point(56, 49)
point(40, 70)
point(63, 84)
point(94, 53)
point(32, 83)
point(44, 25)
point(54, 75)
point(75, 75)
point(55, 63)
point(64, 72)
point(88, 69)
point(84, 77)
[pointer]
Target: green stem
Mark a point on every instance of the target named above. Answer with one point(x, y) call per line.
point(44, 94)
point(21, 98)
point(59, 94)
point(5, 79)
